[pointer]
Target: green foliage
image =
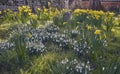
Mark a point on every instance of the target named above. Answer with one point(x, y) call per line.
point(47, 63)
point(8, 62)
point(20, 47)
point(7, 56)
point(107, 67)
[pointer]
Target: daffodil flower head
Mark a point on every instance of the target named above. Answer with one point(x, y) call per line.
point(97, 17)
point(78, 22)
point(38, 9)
point(49, 3)
point(89, 27)
point(113, 30)
point(77, 11)
point(29, 14)
point(5, 11)
point(64, 23)
point(24, 7)
point(97, 32)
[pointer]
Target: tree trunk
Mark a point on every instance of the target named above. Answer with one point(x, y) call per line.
point(95, 5)
point(66, 4)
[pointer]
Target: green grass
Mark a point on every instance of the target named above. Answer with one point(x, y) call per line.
point(4, 32)
point(114, 45)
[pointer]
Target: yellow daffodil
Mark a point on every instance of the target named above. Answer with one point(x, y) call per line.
point(38, 9)
point(34, 16)
point(101, 12)
point(97, 17)
point(111, 14)
point(28, 7)
point(5, 11)
point(15, 13)
point(45, 10)
point(97, 32)
point(25, 10)
point(89, 27)
point(24, 7)
point(0, 12)
point(19, 8)
point(78, 22)
point(64, 23)
point(100, 37)
point(113, 30)
point(49, 3)
point(87, 17)
point(77, 11)
point(105, 36)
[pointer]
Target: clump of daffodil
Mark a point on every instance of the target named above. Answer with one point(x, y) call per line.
point(97, 17)
point(33, 16)
point(24, 13)
point(76, 11)
point(45, 9)
point(24, 9)
point(56, 12)
point(80, 11)
point(101, 12)
point(8, 11)
point(53, 12)
point(111, 14)
point(83, 11)
point(97, 32)
point(8, 14)
point(97, 12)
